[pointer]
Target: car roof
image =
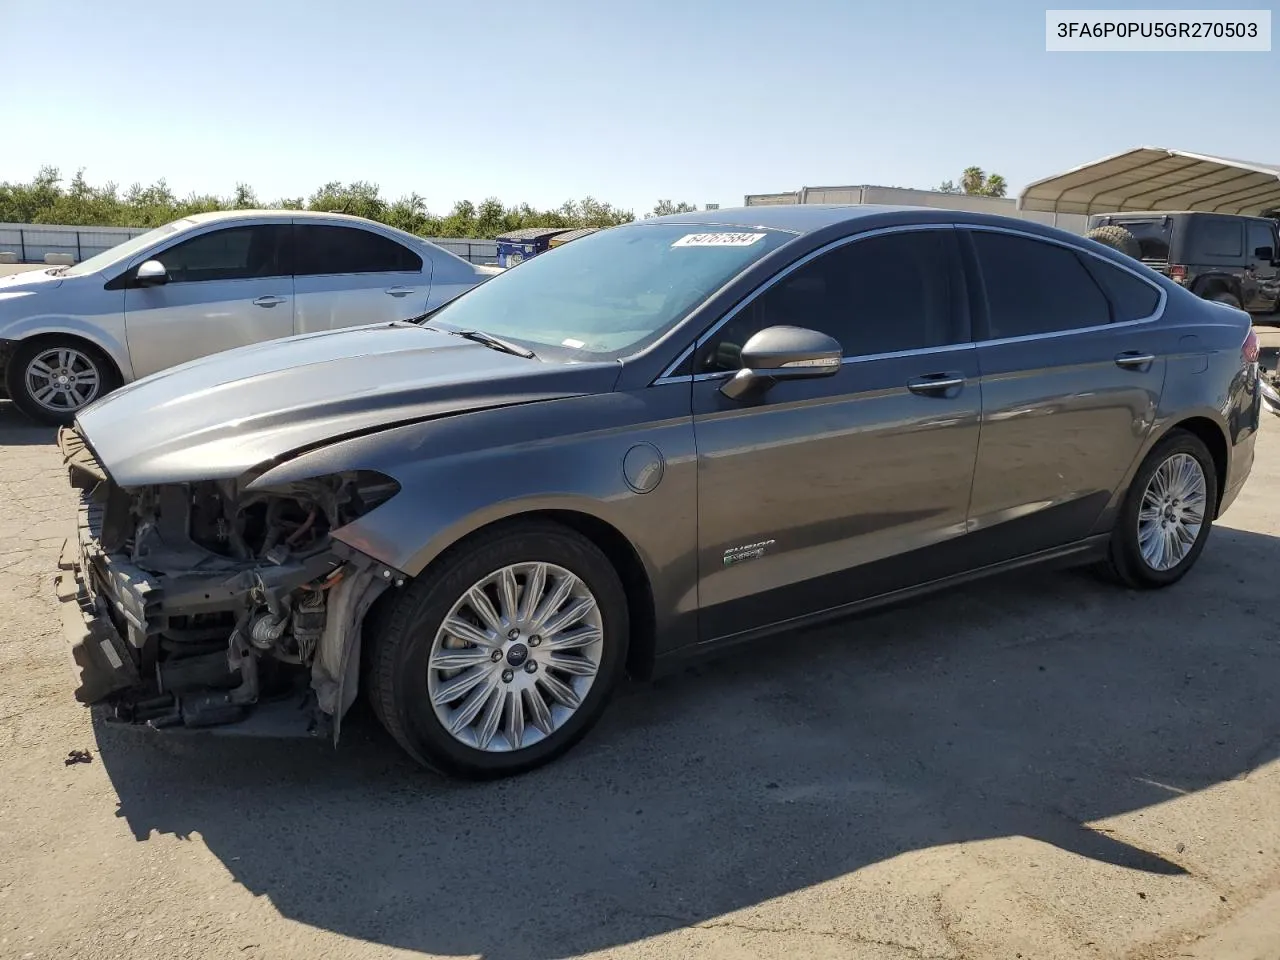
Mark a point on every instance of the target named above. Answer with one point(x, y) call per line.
point(810, 218)
point(273, 214)
point(796, 217)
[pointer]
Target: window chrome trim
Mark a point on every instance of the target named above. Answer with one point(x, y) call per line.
point(1027, 337)
point(667, 375)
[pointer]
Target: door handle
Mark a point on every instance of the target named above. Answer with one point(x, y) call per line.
point(1133, 360)
point(398, 291)
point(268, 301)
point(935, 384)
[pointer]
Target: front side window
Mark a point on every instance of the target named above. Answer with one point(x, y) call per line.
point(325, 249)
point(1035, 287)
point(880, 295)
point(610, 294)
point(233, 253)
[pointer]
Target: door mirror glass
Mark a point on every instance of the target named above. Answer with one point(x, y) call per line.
point(1265, 253)
point(783, 353)
point(152, 272)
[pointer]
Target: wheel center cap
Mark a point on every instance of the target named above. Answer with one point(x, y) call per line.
point(517, 655)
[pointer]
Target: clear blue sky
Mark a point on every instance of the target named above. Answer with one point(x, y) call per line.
point(544, 100)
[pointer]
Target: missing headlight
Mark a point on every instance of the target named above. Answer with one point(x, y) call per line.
point(295, 518)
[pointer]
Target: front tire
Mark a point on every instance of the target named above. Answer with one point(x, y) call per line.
point(51, 379)
point(504, 655)
point(1167, 514)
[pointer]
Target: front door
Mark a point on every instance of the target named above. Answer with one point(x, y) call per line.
point(1072, 371)
point(826, 491)
point(227, 287)
point(348, 276)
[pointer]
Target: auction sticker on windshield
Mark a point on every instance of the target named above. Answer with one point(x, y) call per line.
point(718, 239)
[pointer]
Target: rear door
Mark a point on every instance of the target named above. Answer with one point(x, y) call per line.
point(227, 287)
point(1073, 364)
point(347, 276)
point(1260, 256)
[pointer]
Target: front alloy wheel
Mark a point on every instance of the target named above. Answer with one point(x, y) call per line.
point(503, 654)
point(515, 657)
point(52, 378)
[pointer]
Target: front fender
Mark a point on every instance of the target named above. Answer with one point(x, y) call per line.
point(584, 455)
point(106, 336)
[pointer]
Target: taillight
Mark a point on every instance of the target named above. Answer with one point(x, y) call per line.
point(1249, 350)
point(1178, 273)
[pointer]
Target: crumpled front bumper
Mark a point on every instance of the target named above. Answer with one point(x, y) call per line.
point(128, 626)
point(103, 661)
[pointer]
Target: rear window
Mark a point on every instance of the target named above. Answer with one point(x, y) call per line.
point(1153, 236)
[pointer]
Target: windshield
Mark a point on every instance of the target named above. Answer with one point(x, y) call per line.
point(122, 251)
point(612, 293)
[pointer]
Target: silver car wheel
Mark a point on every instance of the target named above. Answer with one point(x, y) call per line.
point(513, 660)
point(1172, 512)
point(62, 378)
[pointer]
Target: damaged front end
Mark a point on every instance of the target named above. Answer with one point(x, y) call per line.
point(204, 604)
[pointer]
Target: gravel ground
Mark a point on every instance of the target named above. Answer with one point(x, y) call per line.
point(1036, 767)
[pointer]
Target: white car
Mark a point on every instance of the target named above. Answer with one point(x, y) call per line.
point(204, 284)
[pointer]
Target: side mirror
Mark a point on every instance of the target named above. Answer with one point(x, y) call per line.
point(783, 353)
point(1265, 253)
point(151, 273)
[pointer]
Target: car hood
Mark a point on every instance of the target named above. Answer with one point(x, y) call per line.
point(29, 281)
point(218, 417)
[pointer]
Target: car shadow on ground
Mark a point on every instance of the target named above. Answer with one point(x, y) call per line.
point(17, 430)
point(1025, 706)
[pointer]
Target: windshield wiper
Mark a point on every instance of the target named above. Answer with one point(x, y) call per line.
point(489, 340)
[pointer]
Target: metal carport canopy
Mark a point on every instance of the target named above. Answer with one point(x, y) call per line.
point(1155, 178)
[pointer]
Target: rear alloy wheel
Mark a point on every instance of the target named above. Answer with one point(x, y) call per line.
point(1167, 514)
point(505, 656)
point(52, 379)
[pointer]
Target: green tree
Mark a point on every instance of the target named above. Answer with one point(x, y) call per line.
point(977, 183)
point(664, 208)
point(47, 199)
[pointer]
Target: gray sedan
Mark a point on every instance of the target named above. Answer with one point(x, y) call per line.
point(650, 444)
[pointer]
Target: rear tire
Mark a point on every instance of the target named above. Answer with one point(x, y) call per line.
point(1225, 296)
point(511, 657)
point(1167, 513)
point(1117, 238)
point(51, 379)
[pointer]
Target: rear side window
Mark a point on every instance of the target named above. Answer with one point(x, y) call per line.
point(1035, 287)
point(1218, 238)
point(326, 249)
point(236, 253)
point(1131, 298)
